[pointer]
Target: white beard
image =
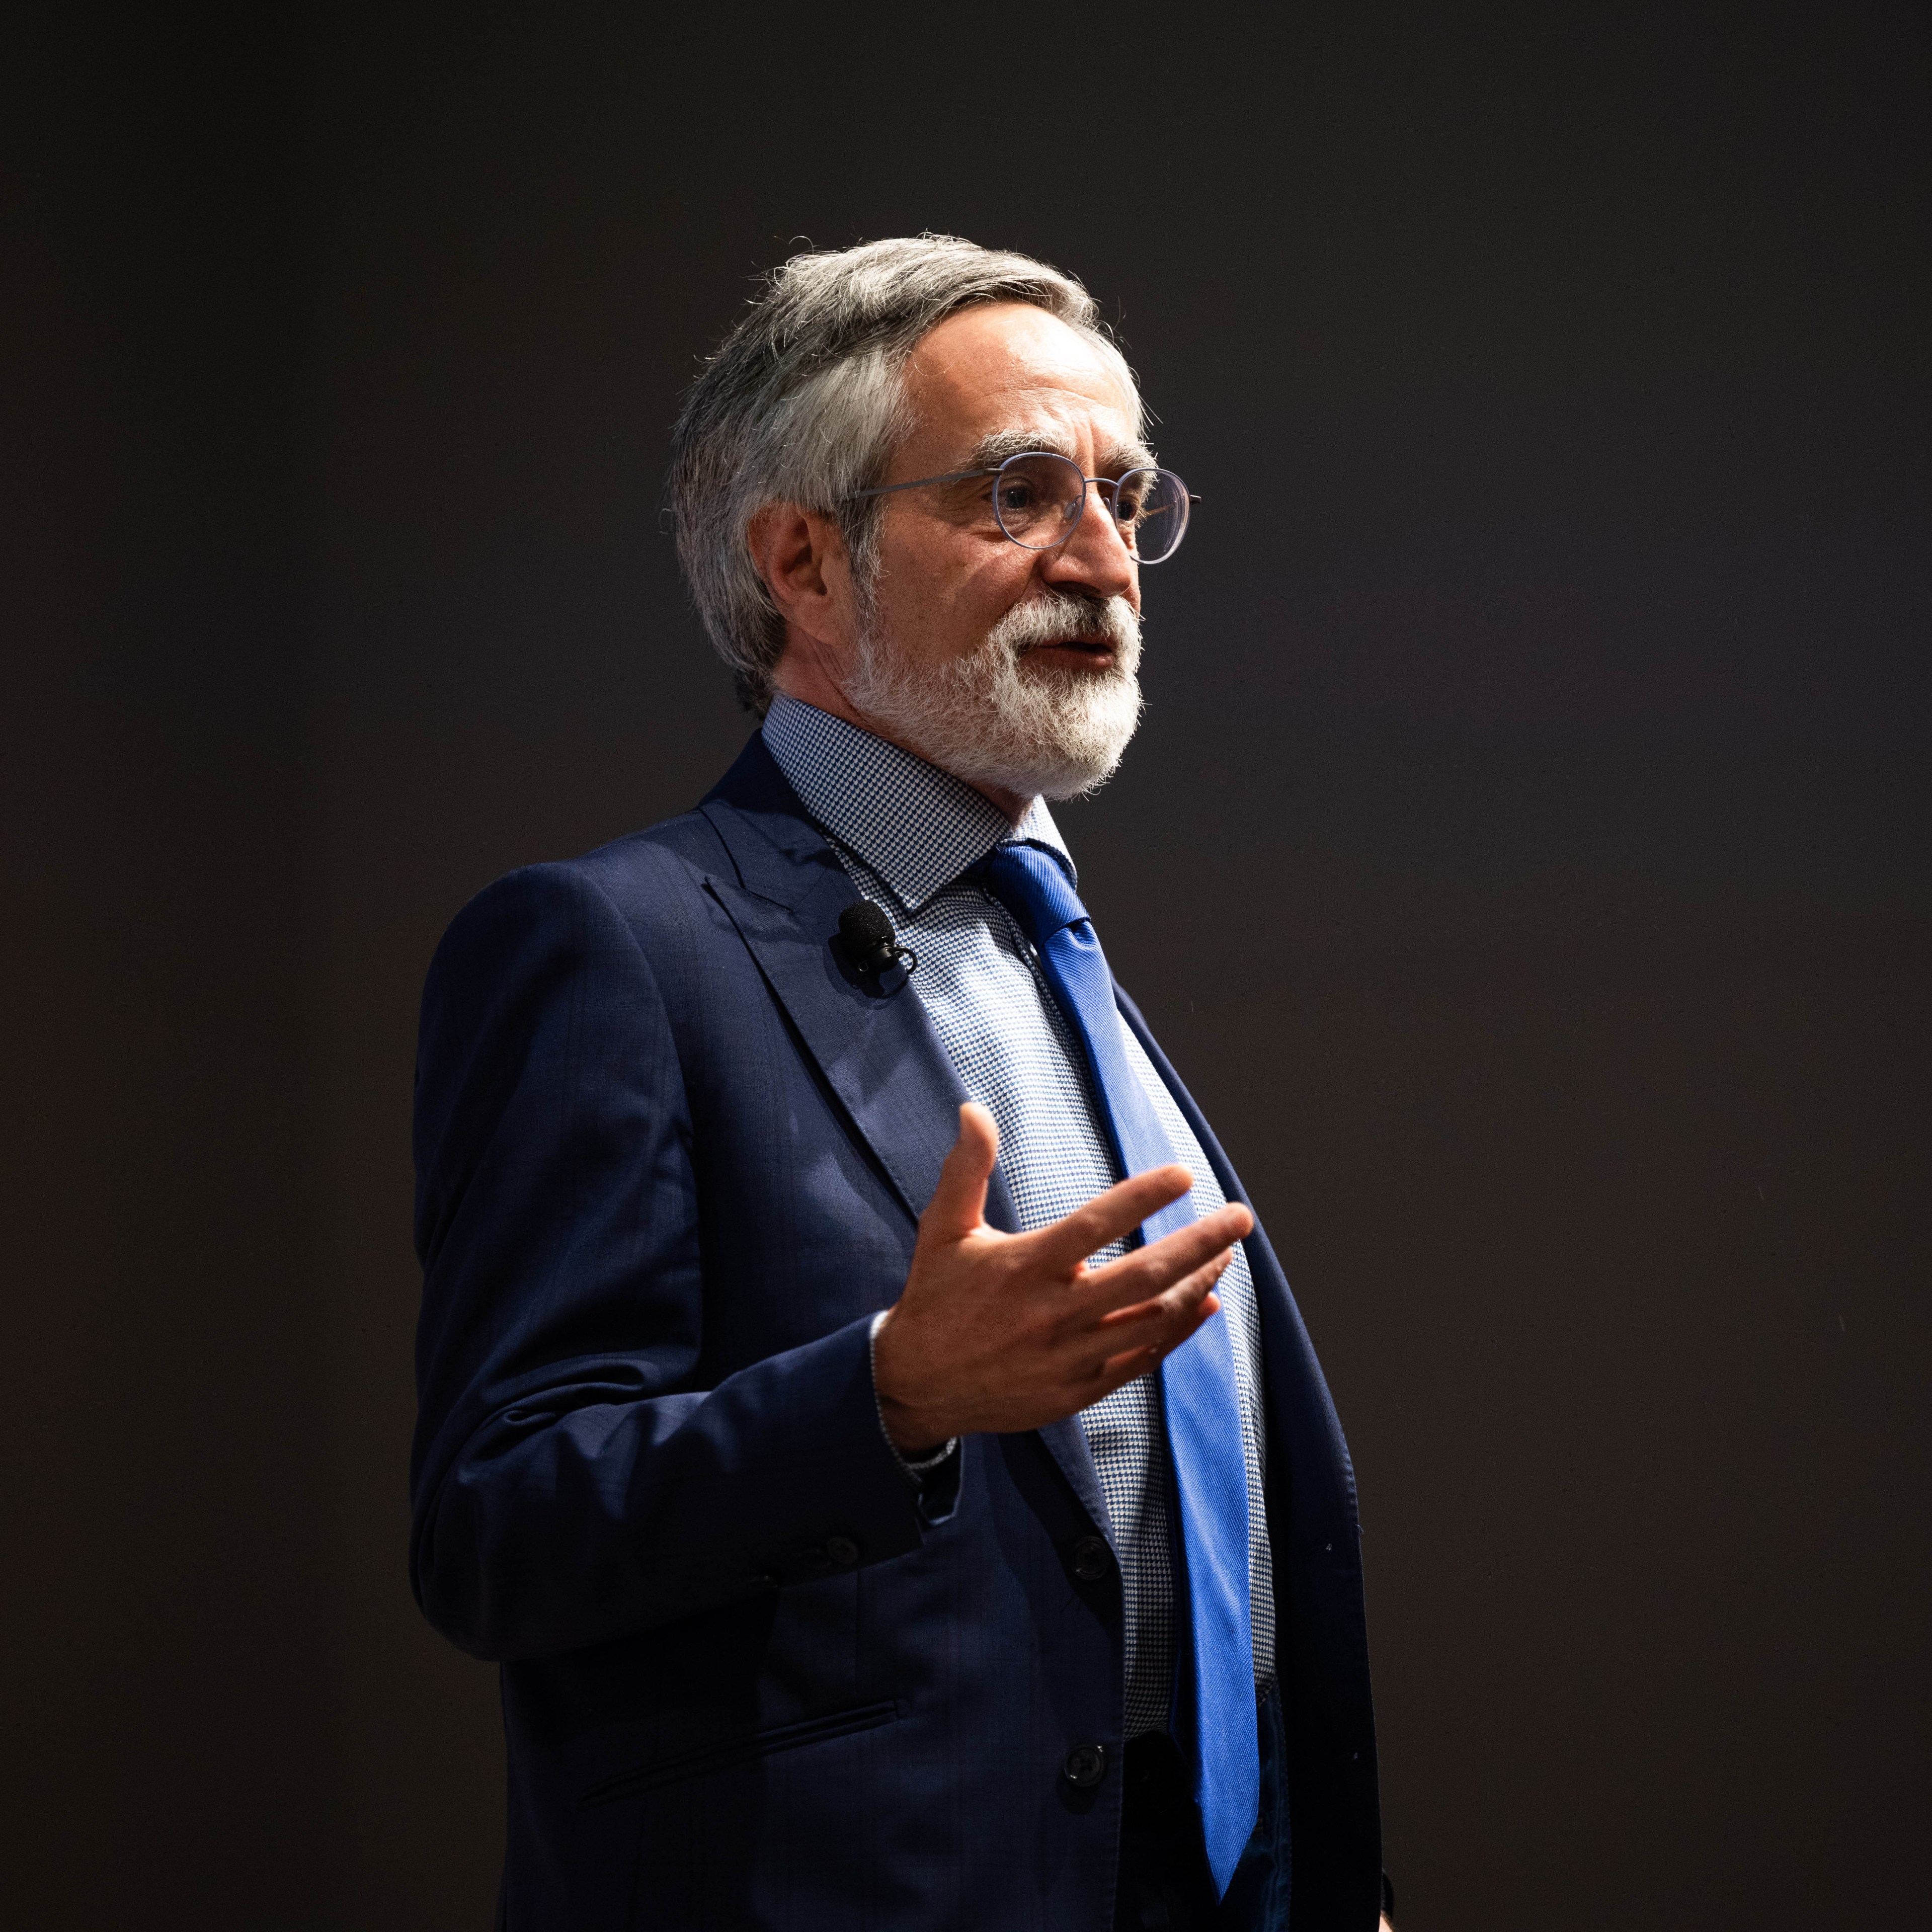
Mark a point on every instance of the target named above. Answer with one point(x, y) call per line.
point(1049, 732)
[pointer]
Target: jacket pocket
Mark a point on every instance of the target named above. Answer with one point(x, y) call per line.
point(705, 1759)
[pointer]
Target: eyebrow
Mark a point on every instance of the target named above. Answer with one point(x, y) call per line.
point(993, 449)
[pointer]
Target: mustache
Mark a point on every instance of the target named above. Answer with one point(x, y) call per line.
point(1067, 617)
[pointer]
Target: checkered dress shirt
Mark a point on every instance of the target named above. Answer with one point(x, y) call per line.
point(906, 831)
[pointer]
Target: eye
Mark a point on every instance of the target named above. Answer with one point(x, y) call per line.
point(1036, 498)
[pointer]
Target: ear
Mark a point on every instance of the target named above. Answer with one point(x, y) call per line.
point(802, 558)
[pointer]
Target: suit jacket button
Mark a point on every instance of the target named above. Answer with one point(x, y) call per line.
point(1086, 1765)
point(1090, 1558)
point(843, 1551)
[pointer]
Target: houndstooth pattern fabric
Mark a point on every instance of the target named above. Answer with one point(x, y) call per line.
point(906, 831)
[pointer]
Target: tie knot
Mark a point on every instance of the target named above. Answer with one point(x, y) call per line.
point(1033, 885)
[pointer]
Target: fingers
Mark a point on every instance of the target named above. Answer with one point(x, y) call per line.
point(1144, 1273)
point(1108, 1217)
point(1159, 1327)
point(1137, 1339)
point(958, 1207)
point(1119, 1369)
point(1165, 1313)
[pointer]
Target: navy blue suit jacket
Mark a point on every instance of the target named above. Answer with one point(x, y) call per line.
point(671, 1152)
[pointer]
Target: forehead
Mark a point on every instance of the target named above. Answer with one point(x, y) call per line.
point(1010, 366)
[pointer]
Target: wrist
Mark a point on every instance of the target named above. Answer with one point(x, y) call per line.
point(915, 1436)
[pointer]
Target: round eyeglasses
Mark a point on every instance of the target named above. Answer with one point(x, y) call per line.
point(1038, 499)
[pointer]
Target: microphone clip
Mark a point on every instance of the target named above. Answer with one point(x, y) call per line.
point(870, 943)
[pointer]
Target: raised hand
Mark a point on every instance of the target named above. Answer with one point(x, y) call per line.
point(1004, 1332)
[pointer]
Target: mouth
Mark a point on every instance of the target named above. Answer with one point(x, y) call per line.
point(1095, 652)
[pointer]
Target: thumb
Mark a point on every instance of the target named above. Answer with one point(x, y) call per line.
point(958, 1207)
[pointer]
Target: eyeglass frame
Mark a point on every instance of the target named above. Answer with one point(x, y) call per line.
point(1189, 496)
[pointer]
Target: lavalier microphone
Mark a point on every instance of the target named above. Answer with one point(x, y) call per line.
point(869, 940)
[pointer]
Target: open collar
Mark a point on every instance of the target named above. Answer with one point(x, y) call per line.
point(917, 827)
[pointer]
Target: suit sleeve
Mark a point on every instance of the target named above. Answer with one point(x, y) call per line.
point(570, 1485)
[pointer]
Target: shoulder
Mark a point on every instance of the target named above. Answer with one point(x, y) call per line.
point(566, 964)
point(641, 890)
point(637, 908)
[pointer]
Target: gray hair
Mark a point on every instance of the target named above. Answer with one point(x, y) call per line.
point(804, 402)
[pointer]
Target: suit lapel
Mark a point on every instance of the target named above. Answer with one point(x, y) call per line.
point(873, 1042)
point(876, 1048)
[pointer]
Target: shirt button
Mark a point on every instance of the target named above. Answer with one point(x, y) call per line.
point(842, 1552)
point(1086, 1765)
point(1090, 1559)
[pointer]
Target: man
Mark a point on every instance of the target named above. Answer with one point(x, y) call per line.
point(859, 1408)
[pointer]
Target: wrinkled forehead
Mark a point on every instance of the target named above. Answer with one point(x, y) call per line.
point(1007, 376)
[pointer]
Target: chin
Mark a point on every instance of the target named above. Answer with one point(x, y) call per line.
point(1055, 732)
point(1001, 718)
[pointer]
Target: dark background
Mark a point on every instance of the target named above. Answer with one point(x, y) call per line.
point(1525, 857)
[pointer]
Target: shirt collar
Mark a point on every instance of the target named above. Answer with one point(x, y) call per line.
point(917, 826)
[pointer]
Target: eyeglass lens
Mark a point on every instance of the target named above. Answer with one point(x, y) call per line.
point(1038, 499)
point(1151, 506)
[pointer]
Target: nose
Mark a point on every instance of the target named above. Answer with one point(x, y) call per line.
point(1096, 556)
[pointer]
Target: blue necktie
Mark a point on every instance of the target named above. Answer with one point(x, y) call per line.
point(1215, 1712)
